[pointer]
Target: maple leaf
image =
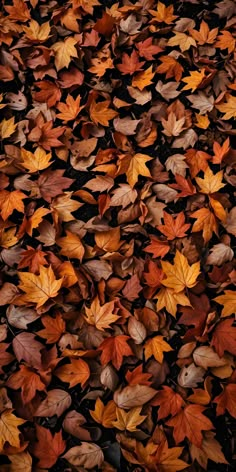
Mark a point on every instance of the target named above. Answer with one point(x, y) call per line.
point(155, 347)
point(163, 14)
point(49, 93)
point(32, 258)
point(6, 357)
point(36, 161)
point(48, 447)
point(64, 51)
point(137, 376)
point(101, 316)
point(38, 288)
point(64, 205)
point(228, 300)
point(128, 421)
point(22, 462)
point(157, 248)
point(133, 166)
point(114, 349)
point(171, 67)
point(74, 373)
point(34, 221)
point(220, 152)
point(28, 381)
point(100, 113)
point(169, 299)
point(52, 182)
point(147, 49)
point(181, 274)
point(71, 246)
point(182, 40)
point(167, 459)
point(225, 41)
point(197, 160)
point(169, 402)
point(87, 455)
point(143, 79)
point(108, 240)
point(9, 431)
point(204, 35)
point(18, 11)
point(206, 223)
point(194, 80)
point(70, 109)
point(190, 422)
point(172, 126)
point(184, 185)
point(130, 64)
point(226, 401)
point(36, 32)
point(224, 337)
point(10, 201)
point(210, 449)
point(228, 108)
point(211, 182)
point(53, 328)
point(174, 228)
point(104, 414)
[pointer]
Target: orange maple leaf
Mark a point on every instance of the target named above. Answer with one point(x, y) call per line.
point(114, 349)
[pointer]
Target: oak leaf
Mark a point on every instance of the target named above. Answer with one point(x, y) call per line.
point(38, 288)
point(181, 274)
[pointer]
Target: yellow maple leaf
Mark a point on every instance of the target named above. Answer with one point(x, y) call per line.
point(169, 299)
point(155, 347)
point(133, 166)
point(9, 431)
point(100, 113)
point(143, 79)
point(38, 288)
point(182, 40)
point(218, 209)
point(36, 32)
point(63, 206)
point(167, 459)
point(211, 183)
point(64, 51)
point(100, 316)
point(181, 274)
point(71, 246)
point(163, 14)
point(70, 109)
point(36, 161)
point(193, 80)
point(228, 108)
point(7, 127)
point(8, 237)
point(206, 222)
point(229, 302)
point(128, 420)
point(35, 220)
point(104, 414)
point(10, 201)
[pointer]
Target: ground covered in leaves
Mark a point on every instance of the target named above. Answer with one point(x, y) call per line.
point(117, 235)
